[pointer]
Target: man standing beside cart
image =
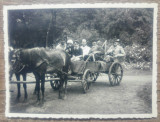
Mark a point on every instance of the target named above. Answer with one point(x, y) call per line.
point(115, 53)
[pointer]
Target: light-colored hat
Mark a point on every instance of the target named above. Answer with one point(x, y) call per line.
point(70, 41)
point(84, 41)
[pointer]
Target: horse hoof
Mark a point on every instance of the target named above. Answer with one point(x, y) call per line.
point(34, 93)
point(37, 103)
point(43, 100)
point(59, 97)
point(17, 100)
point(62, 97)
point(25, 100)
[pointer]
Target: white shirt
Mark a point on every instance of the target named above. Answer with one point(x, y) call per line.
point(86, 50)
point(117, 51)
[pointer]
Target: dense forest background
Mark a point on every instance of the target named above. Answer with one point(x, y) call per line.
point(46, 27)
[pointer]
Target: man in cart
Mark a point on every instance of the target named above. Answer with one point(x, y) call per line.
point(85, 49)
point(115, 53)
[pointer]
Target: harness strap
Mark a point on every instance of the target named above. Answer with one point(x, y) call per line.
point(21, 69)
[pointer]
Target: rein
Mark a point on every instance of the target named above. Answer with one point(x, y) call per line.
point(57, 68)
point(21, 69)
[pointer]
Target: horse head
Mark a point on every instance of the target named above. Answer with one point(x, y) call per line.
point(16, 65)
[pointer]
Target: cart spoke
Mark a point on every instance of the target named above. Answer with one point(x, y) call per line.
point(113, 79)
point(119, 74)
point(118, 79)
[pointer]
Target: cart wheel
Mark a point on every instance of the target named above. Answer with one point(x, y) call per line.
point(55, 84)
point(95, 76)
point(86, 77)
point(115, 74)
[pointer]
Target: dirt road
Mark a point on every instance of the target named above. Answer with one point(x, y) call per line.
point(127, 98)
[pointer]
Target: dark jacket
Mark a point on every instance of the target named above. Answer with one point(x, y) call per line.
point(77, 52)
point(69, 50)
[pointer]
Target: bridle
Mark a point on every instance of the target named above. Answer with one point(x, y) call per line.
point(21, 69)
point(18, 64)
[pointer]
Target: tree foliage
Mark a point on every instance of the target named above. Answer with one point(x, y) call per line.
point(46, 27)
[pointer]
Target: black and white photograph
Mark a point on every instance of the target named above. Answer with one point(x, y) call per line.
point(81, 61)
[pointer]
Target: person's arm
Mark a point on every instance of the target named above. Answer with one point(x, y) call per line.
point(121, 53)
point(80, 53)
point(110, 51)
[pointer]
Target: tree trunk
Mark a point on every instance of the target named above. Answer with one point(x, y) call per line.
point(48, 30)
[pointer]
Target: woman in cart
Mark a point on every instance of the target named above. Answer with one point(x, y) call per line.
point(77, 52)
point(69, 47)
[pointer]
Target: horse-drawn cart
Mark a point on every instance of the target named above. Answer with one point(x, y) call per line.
point(87, 72)
point(58, 61)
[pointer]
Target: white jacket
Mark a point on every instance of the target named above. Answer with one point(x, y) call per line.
point(86, 50)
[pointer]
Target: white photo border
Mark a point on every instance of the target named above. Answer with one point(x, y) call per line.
point(82, 5)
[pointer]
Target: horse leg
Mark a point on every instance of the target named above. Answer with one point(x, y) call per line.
point(25, 87)
point(65, 85)
point(18, 87)
point(35, 90)
point(43, 86)
point(10, 75)
point(63, 82)
point(37, 76)
point(62, 89)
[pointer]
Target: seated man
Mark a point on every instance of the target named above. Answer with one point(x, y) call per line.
point(85, 49)
point(115, 53)
point(77, 52)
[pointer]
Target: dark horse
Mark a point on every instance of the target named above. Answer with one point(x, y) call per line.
point(41, 61)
